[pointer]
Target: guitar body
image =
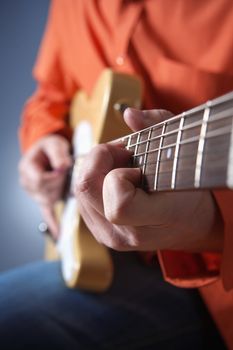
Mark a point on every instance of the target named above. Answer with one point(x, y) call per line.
point(86, 264)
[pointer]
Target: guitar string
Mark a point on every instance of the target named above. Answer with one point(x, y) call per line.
point(189, 156)
point(214, 103)
point(166, 174)
point(213, 133)
point(224, 99)
point(225, 131)
point(188, 127)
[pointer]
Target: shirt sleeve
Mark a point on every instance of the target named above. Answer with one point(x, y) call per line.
point(47, 110)
point(197, 270)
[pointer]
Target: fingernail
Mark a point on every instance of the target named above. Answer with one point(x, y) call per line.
point(133, 111)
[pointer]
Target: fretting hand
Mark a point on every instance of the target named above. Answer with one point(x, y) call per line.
point(124, 217)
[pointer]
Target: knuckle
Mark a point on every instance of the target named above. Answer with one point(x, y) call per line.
point(116, 212)
point(102, 147)
point(117, 244)
point(81, 187)
point(100, 150)
point(89, 174)
point(134, 239)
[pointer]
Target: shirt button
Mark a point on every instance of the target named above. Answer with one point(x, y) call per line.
point(120, 60)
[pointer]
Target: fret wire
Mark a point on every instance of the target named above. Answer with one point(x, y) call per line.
point(146, 151)
point(172, 159)
point(158, 163)
point(158, 158)
point(167, 172)
point(137, 144)
point(220, 100)
point(189, 156)
point(178, 170)
point(128, 144)
point(124, 140)
point(220, 116)
point(189, 126)
point(201, 144)
point(177, 147)
point(210, 134)
point(213, 133)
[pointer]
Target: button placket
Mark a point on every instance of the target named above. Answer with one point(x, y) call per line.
point(120, 60)
point(124, 32)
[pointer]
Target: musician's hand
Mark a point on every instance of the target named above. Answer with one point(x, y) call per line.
point(42, 170)
point(124, 217)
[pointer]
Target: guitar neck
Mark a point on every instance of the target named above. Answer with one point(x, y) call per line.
point(189, 151)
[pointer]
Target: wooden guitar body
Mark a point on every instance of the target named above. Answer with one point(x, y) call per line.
point(85, 263)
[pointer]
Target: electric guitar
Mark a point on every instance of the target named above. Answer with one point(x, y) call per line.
point(193, 150)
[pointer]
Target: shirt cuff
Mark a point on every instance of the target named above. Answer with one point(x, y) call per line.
point(189, 270)
point(196, 270)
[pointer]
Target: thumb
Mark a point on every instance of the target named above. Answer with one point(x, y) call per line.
point(137, 119)
point(57, 149)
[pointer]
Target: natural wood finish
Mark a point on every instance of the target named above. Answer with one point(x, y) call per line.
point(93, 268)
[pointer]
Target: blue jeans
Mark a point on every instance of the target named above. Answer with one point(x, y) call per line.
point(140, 311)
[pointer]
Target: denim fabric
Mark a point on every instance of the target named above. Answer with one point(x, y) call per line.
point(140, 311)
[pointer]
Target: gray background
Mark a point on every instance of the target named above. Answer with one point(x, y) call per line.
point(21, 28)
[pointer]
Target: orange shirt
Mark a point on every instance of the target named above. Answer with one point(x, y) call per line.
point(183, 50)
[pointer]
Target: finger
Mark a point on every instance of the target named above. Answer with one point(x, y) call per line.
point(33, 167)
point(34, 181)
point(137, 119)
point(124, 202)
point(30, 170)
point(50, 219)
point(100, 161)
point(125, 237)
point(105, 232)
point(58, 153)
point(48, 193)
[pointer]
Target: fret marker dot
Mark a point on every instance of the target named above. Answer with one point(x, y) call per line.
point(169, 153)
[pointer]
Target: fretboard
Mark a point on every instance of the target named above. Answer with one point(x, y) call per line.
point(189, 151)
